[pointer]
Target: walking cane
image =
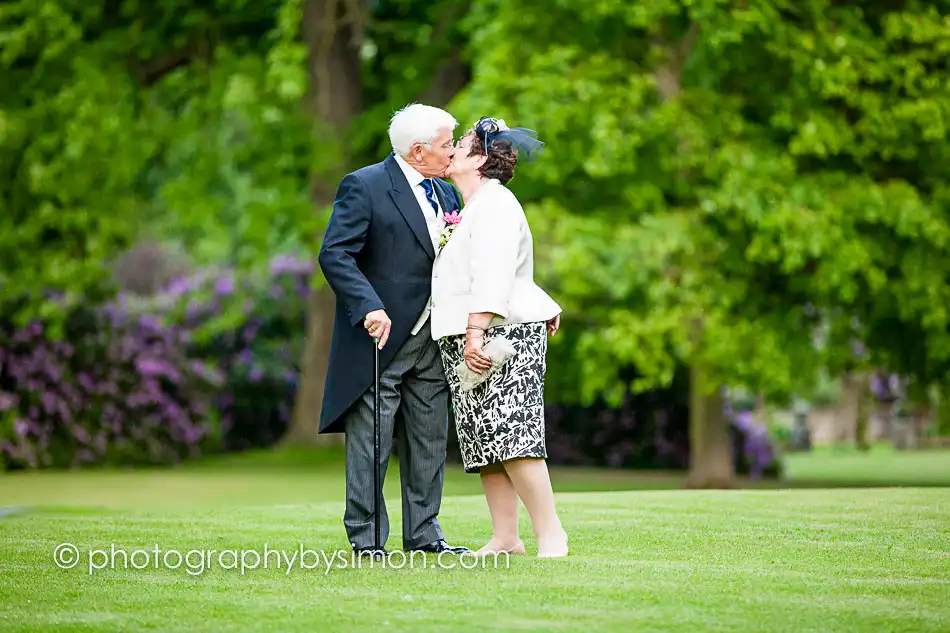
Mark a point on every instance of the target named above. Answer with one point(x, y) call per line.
point(377, 488)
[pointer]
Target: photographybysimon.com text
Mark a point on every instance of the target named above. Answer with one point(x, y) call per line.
point(198, 561)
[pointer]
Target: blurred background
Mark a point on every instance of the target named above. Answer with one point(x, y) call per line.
point(743, 207)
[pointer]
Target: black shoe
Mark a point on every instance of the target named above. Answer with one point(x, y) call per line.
point(441, 546)
point(377, 554)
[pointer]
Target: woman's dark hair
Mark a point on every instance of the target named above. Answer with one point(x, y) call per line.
point(502, 158)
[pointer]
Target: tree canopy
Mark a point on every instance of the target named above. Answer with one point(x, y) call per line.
point(726, 181)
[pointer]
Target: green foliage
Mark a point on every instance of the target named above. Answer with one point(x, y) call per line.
point(70, 151)
point(723, 183)
point(753, 186)
point(231, 185)
point(177, 121)
point(406, 53)
point(827, 391)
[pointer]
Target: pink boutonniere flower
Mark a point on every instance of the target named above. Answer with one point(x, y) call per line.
point(451, 221)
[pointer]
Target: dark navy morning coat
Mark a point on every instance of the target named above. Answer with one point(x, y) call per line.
point(376, 254)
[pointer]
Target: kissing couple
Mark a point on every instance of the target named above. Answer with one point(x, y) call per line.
point(431, 274)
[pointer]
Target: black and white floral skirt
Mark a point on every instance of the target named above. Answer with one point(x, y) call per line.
point(502, 418)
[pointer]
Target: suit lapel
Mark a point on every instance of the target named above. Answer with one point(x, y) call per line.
point(440, 192)
point(406, 203)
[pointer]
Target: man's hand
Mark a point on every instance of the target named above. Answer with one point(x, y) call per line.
point(377, 323)
point(554, 325)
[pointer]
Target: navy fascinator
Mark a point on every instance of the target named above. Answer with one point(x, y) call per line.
point(525, 141)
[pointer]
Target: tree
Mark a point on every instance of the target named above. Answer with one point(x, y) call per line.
point(218, 128)
point(128, 121)
point(718, 180)
point(362, 66)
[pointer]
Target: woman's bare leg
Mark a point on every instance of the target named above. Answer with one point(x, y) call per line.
point(503, 505)
point(533, 484)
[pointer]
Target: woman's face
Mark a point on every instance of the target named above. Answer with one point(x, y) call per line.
point(462, 164)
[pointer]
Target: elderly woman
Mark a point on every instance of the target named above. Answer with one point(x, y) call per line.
point(483, 289)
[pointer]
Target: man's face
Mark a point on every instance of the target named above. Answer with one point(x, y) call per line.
point(432, 161)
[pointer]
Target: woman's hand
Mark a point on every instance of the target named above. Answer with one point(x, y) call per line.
point(474, 359)
point(554, 325)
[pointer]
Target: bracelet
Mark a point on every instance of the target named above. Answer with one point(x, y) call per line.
point(475, 327)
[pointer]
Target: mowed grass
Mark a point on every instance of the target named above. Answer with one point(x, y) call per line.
point(645, 554)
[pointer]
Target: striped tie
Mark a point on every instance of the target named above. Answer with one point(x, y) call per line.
point(430, 194)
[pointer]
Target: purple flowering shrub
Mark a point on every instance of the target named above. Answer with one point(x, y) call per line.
point(142, 381)
point(886, 387)
point(754, 451)
point(258, 351)
point(116, 388)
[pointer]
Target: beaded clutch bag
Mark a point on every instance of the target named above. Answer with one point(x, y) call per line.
point(499, 350)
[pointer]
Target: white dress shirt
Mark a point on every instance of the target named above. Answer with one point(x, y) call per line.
point(433, 221)
point(488, 266)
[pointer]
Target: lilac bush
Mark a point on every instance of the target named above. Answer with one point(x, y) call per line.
point(886, 387)
point(116, 388)
point(754, 452)
point(258, 351)
point(143, 381)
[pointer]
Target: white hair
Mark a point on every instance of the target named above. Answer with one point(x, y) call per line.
point(417, 123)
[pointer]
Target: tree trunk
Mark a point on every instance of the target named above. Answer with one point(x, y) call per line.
point(943, 412)
point(303, 429)
point(332, 30)
point(864, 408)
point(710, 447)
point(847, 410)
point(761, 412)
point(453, 73)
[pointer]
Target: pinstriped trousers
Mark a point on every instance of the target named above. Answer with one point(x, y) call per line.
point(414, 402)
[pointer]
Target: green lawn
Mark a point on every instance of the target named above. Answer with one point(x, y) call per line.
point(882, 466)
point(646, 555)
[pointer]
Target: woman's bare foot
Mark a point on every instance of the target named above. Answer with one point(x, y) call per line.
point(497, 546)
point(553, 546)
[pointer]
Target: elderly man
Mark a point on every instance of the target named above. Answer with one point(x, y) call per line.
point(377, 256)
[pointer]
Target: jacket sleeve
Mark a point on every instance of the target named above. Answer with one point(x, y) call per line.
point(494, 260)
point(344, 240)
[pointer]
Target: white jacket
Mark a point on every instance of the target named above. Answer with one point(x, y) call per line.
point(488, 266)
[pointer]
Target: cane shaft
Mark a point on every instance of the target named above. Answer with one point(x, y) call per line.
point(377, 485)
